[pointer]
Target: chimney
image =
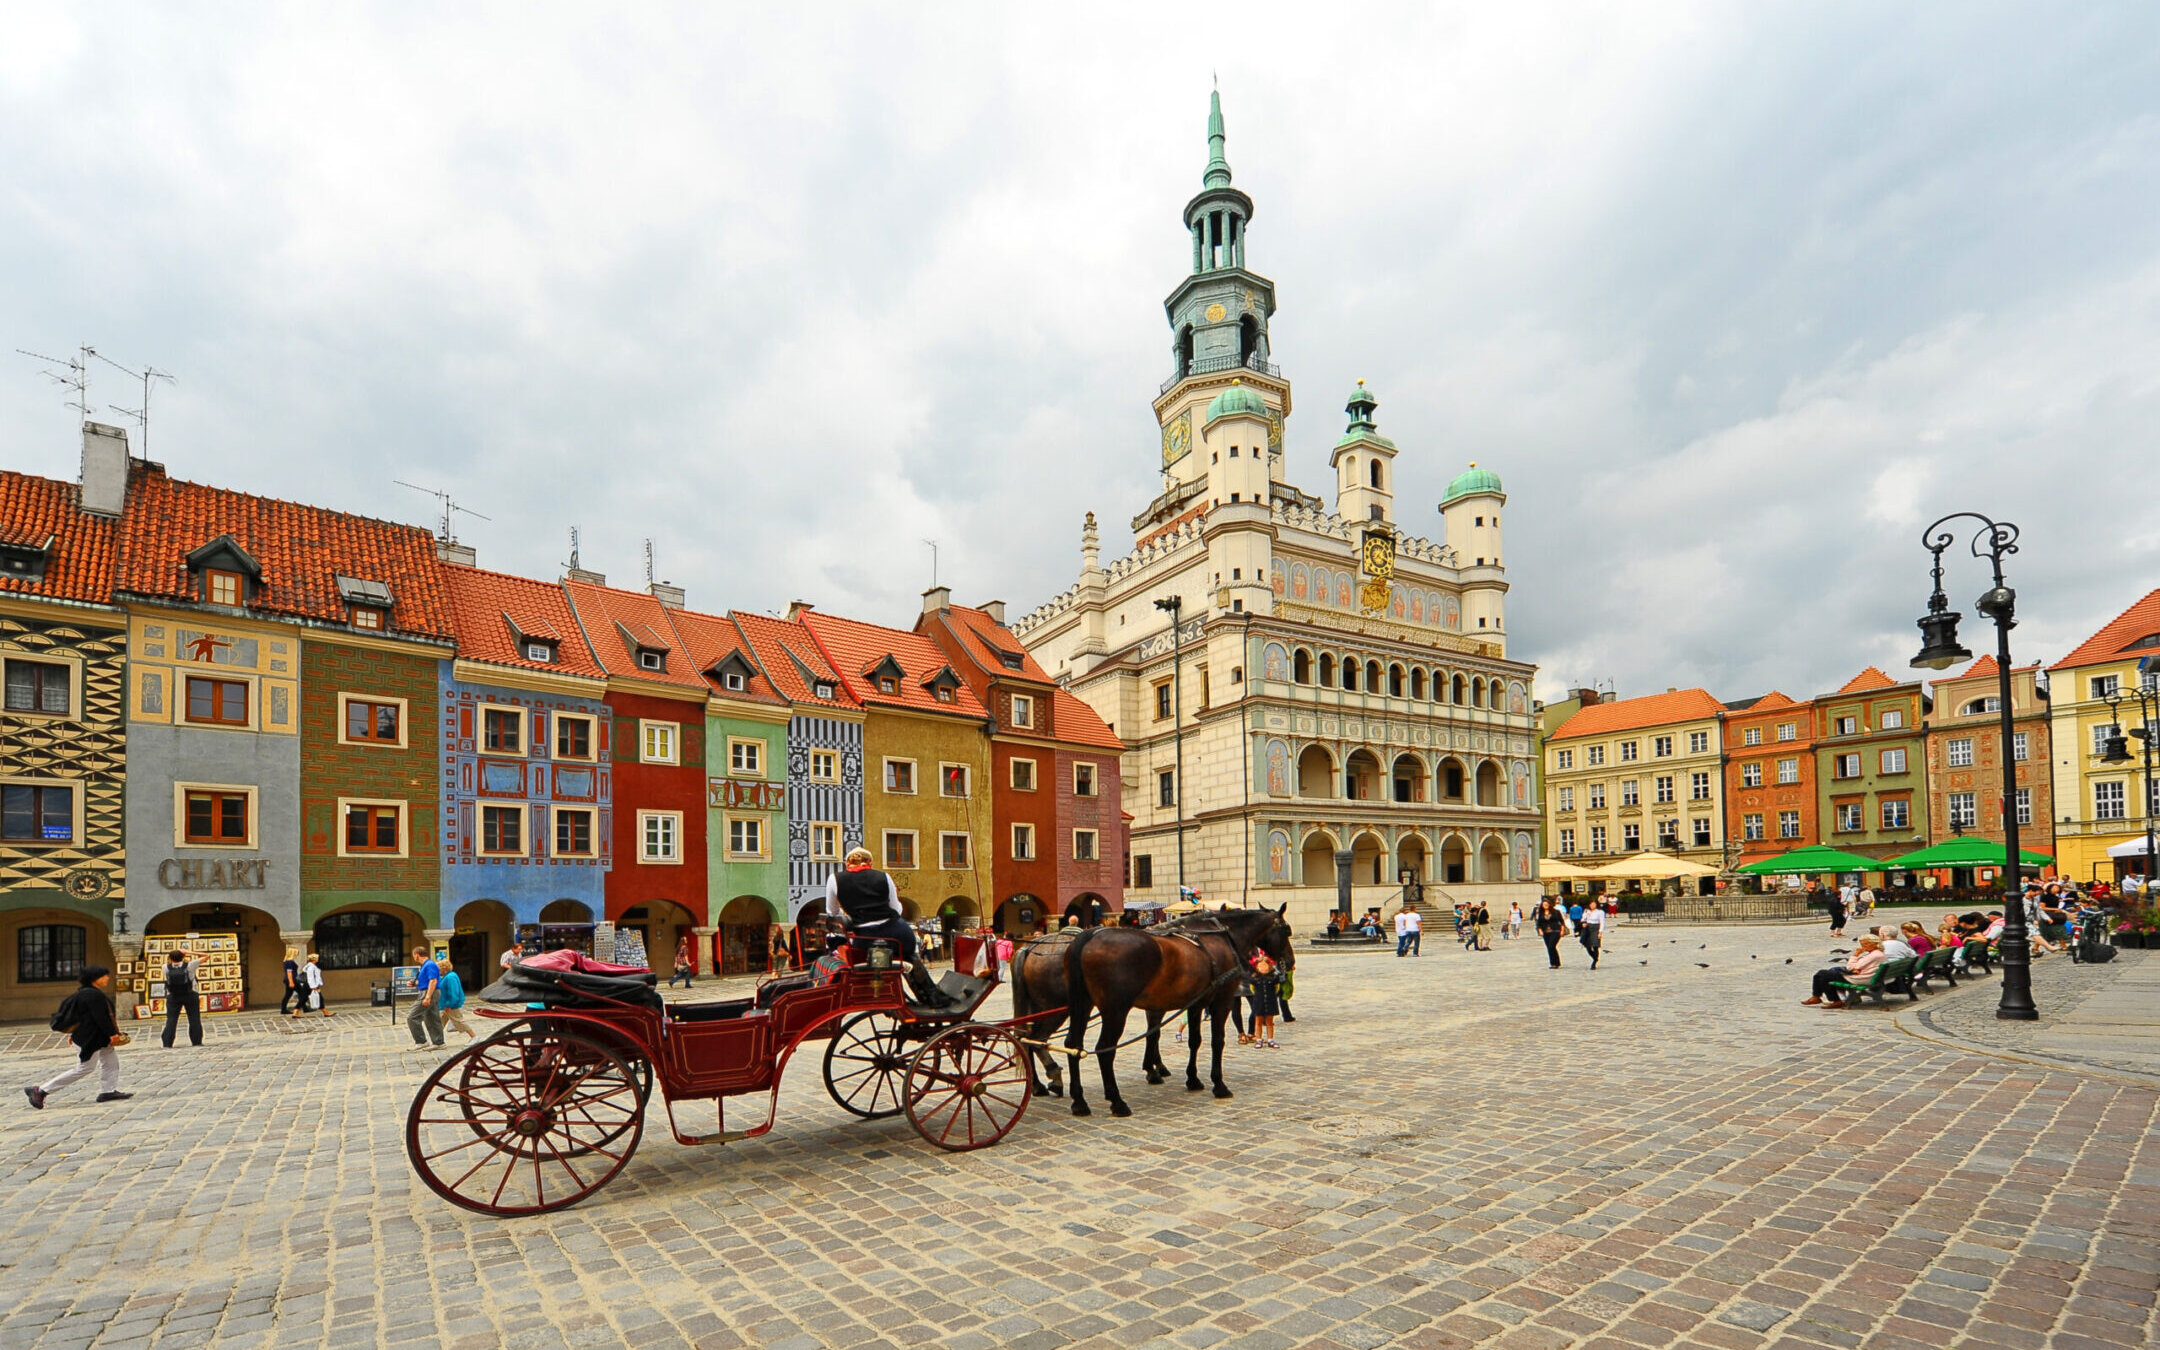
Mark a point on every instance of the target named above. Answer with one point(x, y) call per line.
point(936, 598)
point(588, 577)
point(797, 608)
point(1672, 688)
point(104, 469)
point(451, 551)
point(667, 593)
point(1588, 697)
point(996, 610)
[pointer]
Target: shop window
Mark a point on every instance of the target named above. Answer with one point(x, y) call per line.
point(359, 941)
point(50, 952)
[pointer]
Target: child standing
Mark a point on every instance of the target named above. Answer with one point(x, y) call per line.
point(1265, 982)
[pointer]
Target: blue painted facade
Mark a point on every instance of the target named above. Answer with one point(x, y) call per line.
point(537, 779)
point(811, 801)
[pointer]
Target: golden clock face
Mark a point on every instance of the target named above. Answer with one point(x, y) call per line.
point(1176, 438)
point(1274, 431)
point(1216, 313)
point(1379, 556)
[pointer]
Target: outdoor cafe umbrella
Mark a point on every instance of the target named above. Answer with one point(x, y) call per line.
point(1650, 866)
point(1967, 851)
point(1811, 859)
point(1552, 869)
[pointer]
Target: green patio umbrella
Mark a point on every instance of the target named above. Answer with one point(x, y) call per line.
point(1966, 851)
point(1811, 859)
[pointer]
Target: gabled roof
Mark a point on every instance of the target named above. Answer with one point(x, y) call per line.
point(302, 550)
point(1772, 702)
point(992, 646)
point(2119, 636)
point(493, 611)
point(617, 623)
point(791, 660)
point(712, 644)
point(1871, 678)
point(1076, 721)
point(44, 515)
point(1633, 714)
point(858, 648)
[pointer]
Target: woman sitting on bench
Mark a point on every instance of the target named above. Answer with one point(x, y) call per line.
point(1861, 964)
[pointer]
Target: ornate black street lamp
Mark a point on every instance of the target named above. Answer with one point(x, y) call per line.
point(1940, 650)
point(2117, 750)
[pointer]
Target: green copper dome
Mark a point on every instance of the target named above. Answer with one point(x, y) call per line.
point(1472, 481)
point(1236, 401)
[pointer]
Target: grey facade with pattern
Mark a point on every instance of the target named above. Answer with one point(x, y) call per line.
point(809, 801)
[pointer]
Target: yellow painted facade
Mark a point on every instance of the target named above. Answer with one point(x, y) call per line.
point(925, 811)
point(2097, 805)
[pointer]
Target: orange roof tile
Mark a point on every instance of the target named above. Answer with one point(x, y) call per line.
point(1871, 678)
point(302, 550)
point(45, 513)
point(485, 605)
point(989, 641)
point(709, 639)
point(791, 660)
point(1076, 721)
point(1632, 714)
point(615, 621)
point(2118, 636)
point(856, 648)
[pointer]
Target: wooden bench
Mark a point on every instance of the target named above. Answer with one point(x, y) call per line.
point(1979, 955)
point(1880, 979)
point(1939, 962)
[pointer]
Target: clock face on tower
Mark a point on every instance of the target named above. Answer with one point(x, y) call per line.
point(1216, 313)
point(1176, 438)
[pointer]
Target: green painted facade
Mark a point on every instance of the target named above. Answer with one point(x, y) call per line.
point(1885, 728)
point(336, 771)
point(742, 789)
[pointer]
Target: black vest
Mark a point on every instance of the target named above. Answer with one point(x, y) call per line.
point(866, 896)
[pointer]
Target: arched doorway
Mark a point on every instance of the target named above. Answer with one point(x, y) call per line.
point(1492, 861)
point(1411, 856)
point(50, 947)
point(1368, 860)
point(254, 975)
point(1316, 860)
point(1488, 783)
point(661, 925)
point(1408, 772)
point(745, 936)
point(1087, 911)
point(563, 923)
point(957, 914)
point(1361, 776)
point(1454, 860)
point(1315, 772)
point(483, 929)
point(1021, 916)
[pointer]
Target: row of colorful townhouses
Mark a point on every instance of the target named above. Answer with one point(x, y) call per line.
point(232, 715)
point(1879, 768)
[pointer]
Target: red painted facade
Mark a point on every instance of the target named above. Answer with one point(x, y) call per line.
point(676, 789)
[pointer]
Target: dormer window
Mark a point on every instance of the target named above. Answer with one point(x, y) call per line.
point(824, 689)
point(652, 660)
point(734, 681)
point(224, 571)
point(888, 685)
point(25, 561)
point(367, 603)
point(944, 695)
point(731, 672)
point(368, 617)
point(543, 652)
point(223, 588)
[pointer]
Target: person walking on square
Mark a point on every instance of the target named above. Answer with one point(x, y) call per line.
point(1836, 902)
point(1513, 929)
point(311, 976)
point(182, 991)
point(1551, 925)
point(1407, 930)
point(685, 964)
point(450, 999)
point(1590, 931)
point(293, 1001)
point(1481, 926)
point(425, 1019)
point(87, 1017)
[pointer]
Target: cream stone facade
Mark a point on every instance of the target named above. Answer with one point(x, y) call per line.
point(1341, 690)
point(1626, 775)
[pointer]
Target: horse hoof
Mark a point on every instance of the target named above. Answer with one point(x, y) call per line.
point(1120, 1109)
point(1080, 1108)
point(1054, 1090)
point(1222, 1094)
point(1194, 1085)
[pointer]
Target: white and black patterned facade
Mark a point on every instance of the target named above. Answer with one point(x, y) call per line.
point(811, 801)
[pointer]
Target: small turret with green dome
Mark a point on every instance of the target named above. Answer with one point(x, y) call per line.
point(1236, 401)
point(1471, 482)
point(1362, 427)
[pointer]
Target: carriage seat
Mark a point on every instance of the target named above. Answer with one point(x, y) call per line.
point(720, 1011)
point(963, 990)
point(781, 984)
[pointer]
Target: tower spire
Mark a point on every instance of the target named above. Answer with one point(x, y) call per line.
point(1218, 168)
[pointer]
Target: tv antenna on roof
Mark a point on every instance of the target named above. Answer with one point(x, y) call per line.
point(77, 379)
point(141, 415)
point(648, 563)
point(448, 508)
point(933, 562)
point(574, 549)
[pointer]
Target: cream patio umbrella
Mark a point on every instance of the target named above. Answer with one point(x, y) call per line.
point(1552, 869)
point(1650, 866)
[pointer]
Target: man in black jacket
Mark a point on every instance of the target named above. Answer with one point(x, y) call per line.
point(869, 903)
point(87, 1017)
point(182, 969)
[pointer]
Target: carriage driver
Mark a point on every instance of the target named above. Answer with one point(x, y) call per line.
point(869, 903)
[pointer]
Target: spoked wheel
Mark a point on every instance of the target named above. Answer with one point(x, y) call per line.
point(640, 1066)
point(968, 1087)
point(866, 1066)
point(526, 1122)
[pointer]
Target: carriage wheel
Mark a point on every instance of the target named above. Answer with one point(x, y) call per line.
point(866, 1066)
point(541, 1044)
point(526, 1122)
point(639, 1065)
point(968, 1087)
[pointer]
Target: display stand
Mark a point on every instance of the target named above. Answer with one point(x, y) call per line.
point(218, 979)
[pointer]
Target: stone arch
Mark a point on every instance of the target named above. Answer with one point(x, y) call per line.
point(1361, 776)
point(566, 910)
point(1488, 783)
point(1413, 855)
point(957, 913)
point(1350, 673)
point(1454, 859)
point(1453, 780)
point(1477, 691)
point(356, 945)
point(1315, 772)
point(1085, 910)
point(661, 925)
point(1021, 916)
point(1395, 675)
point(1301, 666)
point(1327, 670)
point(1316, 859)
point(1492, 859)
point(61, 955)
point(1407, 778)
point(481, 931)
point(743, 946)
point(1372, 676)
point(1368, 860)
point(1417, 683)
point(1460, 686)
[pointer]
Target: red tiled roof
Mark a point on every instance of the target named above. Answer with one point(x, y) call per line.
point(79, 565)
point(787, 651)
point(1871, 678)
point(1631, 714)
point(606, 614)
point(1076, 721)
point(985, 639)
point(302, 551)
point(2141, 620)
point(1774, 700)
point(709, 639)
point(485, 604)
point(856, 647)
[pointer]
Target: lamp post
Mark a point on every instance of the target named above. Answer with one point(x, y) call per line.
point(1173, 606)
point(1939, 650)
point(2118, 749)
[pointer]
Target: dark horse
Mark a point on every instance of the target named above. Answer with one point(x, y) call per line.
point(1192, 963)
point(1039, 995)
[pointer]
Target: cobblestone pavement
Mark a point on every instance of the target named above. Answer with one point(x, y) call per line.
point(1449, 1151)
point(2098, 1017)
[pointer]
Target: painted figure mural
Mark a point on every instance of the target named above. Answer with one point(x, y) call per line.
point(1278, 769)
point(1278, 855)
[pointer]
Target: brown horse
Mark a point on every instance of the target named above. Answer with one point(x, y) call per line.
point(1039, 995)
point(1189, 964)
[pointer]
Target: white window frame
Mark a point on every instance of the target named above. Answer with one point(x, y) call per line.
point(1630, 792)
point(1565, 799)
point(2100, 733)
point(1903, 808)
point(1567, 842)
point(1597, 797)
point(592, 738)
point(1628, 751)
point(555, 814)
point(1699, 831)
point(541, 653)
point(1012, 766)
point(914, 838)
point(1751, 775)
point(1895, 755)
point(669, 734)
point(1751, 826)
point(824, 766)
point(1091, 851)
point(2111, 793)
point(1665, 790)
point(74, 666)
point(1631, 837)
point(2106, 686)
point(1563, 759)
point(1788, 731)
point(967, 780)
point(2020, 747)
point(524, 717)
point(1661, 747)
point(966, 839)
point(1839, 763)
point(1751, 736)
point(1668, 832)
point(525, 839)
point(759, 824)
point(1788, 770)
point(1958, 752)
point(1023, 842)
point(1597, 838)
point(179, 826)
point(404, 833)
point(1963, 808)
point(346, 698)
point(914, 786)
point(646, 819)
point(2024, 806)
point(829, 852)
point(1892, 719)
point(756, 746)
point(1093, 773)
point(1023, 712)
point(1593, 756)
point(1853, 812)
point(1785, 817)
point(1844, 726)
point(1698, 742)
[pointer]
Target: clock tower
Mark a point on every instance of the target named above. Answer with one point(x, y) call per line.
point(1219, 333)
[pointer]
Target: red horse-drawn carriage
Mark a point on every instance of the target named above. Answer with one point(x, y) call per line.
point(546, 1111)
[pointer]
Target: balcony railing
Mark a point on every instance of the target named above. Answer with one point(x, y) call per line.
point(1208, 365)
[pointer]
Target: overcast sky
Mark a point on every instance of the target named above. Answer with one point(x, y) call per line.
point(1735, 298)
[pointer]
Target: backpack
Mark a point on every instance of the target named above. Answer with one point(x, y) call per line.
point(451, 992)
point(178, 980)
point(63, 1018)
